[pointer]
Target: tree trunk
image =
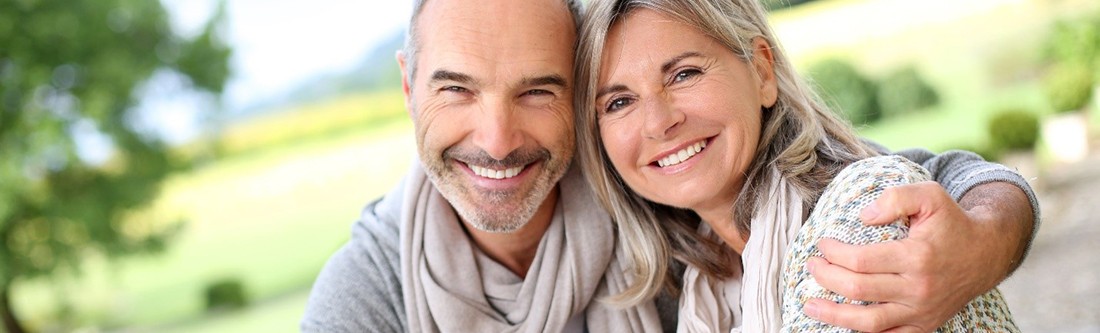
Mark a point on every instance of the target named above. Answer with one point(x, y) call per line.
point(11, 324)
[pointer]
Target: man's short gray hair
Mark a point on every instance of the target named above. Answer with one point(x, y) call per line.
point(412, 43)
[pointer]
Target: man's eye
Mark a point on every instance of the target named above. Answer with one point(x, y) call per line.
point(455, 89)
point(538, 92)
point(618, 104)
point(686, 74)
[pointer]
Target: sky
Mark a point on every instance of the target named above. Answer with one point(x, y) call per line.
point(280, 42)
point(277, 44)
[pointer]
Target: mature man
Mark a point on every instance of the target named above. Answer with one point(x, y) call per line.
point(494, 231)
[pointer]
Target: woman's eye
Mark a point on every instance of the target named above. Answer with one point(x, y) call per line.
point(686, 74)
point(618, 103)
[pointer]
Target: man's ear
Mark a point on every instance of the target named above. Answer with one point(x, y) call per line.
point(763, 61)
point(402, 63)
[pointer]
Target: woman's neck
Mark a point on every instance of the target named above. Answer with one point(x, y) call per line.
point(721, 221)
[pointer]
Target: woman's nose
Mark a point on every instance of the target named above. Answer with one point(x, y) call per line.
point(660, 117)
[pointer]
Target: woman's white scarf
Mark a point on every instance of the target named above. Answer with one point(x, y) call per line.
point(750, 301)
point(447, 288)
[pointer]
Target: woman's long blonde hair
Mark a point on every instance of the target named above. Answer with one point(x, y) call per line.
point(801, 137)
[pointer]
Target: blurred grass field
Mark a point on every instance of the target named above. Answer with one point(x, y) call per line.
point(269, 217)
point(288, 186)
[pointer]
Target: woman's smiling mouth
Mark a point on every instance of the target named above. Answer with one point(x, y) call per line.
point(682, 155)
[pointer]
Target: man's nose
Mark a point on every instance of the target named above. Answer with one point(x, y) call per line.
point(660, 116)
point(497, 129)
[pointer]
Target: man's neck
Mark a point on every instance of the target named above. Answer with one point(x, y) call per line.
point(516, 250)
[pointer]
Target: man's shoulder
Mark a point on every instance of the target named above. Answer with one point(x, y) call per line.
point(359, 288)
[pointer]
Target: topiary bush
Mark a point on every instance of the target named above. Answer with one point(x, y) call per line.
point(1014, 129)
point(226, 294)
point(848, 91)
point(905, 91)
point(1068, 86)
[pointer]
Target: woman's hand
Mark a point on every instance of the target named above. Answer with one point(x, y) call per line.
point(954, 253)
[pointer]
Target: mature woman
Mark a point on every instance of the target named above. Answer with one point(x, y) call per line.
point(692, 106)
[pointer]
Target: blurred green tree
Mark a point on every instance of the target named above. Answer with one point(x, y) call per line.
point(71, 70)
point(1075, 40)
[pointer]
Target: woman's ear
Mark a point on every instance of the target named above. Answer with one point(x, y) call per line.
point(764, 62)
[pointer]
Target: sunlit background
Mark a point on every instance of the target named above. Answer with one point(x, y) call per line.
point(189, 165)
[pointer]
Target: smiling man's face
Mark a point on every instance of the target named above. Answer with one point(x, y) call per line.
point(491, 99)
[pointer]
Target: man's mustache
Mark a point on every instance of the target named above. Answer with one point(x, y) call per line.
point(519, 157)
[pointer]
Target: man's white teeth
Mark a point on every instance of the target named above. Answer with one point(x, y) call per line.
point(495, 174)
point(682, 155)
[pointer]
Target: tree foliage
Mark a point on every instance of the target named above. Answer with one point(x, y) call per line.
point(69, 73)
point(1075, 41)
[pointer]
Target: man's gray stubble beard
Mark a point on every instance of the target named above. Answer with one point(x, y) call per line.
point(506, 221)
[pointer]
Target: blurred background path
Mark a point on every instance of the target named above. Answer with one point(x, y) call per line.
point(1057, 289)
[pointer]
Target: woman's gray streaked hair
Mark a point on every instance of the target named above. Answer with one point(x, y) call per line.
point(412, 43)
point(806, 141)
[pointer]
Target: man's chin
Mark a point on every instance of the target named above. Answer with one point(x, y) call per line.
point(498, 227)
point(504, 218)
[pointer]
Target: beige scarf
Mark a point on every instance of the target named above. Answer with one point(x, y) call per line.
point(750, 301)
point(449, 286)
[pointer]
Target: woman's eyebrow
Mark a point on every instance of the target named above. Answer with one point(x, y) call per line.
point(612, 89)
point(667, 66)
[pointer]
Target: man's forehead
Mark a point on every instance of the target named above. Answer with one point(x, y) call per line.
point(552, 17)
point(486, 40)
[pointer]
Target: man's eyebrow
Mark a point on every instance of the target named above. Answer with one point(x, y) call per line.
point(667, 66)
point(552, 80)
point(446, 75)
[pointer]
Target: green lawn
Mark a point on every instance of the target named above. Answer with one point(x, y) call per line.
point(279, 314)
point(269, 219)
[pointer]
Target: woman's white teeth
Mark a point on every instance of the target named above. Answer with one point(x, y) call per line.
point(682, 155)
point(495, 174)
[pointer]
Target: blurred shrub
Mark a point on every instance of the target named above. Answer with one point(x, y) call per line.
point(1014, 129)
point(226, 293)
point(1068, 86)
point(905, 91)
point(847, 90)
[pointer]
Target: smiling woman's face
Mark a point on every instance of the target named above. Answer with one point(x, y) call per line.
point(679, 113)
